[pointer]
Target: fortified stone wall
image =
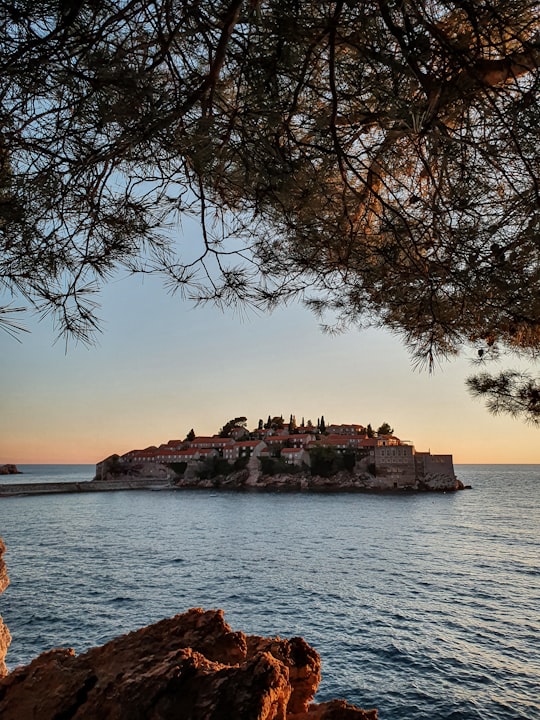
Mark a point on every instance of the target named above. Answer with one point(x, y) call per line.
point(396, 464)
point(434, 465)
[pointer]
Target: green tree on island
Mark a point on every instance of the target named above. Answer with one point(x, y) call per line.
point(191, 435)
point(325, 461)
point(385, 429)
point(377, 160)
point(276, 423)
point(238, 422)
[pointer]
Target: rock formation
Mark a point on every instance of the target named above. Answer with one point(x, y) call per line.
point(189, 667)
point(343, 481)
point(112, 468)
point(5, 637)
point(440, 483)
point(9, 470)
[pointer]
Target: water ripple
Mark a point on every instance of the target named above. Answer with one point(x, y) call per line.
point(423, 606)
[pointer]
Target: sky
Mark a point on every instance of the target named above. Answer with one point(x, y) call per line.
point(162, 366)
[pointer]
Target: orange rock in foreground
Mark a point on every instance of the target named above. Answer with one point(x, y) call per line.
point(5, 637)
point(190, 667)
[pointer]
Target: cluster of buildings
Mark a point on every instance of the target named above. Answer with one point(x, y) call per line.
point(384, 455)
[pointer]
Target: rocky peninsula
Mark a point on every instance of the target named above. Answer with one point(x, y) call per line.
point(272, 457)
point(189, 667)
point(279, 456)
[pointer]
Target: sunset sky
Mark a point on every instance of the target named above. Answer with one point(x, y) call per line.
point(162, 366)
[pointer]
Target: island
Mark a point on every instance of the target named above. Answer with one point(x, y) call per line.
point(274, 457)
point(280, 456)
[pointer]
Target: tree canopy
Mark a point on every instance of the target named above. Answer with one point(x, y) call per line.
point(385, 429)
point(377, 159)
point(234, 424)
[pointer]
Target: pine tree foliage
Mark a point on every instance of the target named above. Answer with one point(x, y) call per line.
point(377, 159)
point(510, 392)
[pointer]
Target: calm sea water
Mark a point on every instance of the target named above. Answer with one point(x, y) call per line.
point(51, 473)
point(425, 606)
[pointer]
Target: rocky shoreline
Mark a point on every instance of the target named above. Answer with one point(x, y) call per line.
point(251, 479)
point(112, 475)
point(341, 483)
point(189, 667)
point(5, 637)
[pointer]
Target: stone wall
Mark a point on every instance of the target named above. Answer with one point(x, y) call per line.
point(434, 465)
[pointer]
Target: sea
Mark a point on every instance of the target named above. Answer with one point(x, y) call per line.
point(426, 606)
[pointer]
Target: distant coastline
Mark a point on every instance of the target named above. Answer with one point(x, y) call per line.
point(345, 482)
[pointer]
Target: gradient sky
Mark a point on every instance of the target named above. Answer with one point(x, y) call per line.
point(162, 366)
